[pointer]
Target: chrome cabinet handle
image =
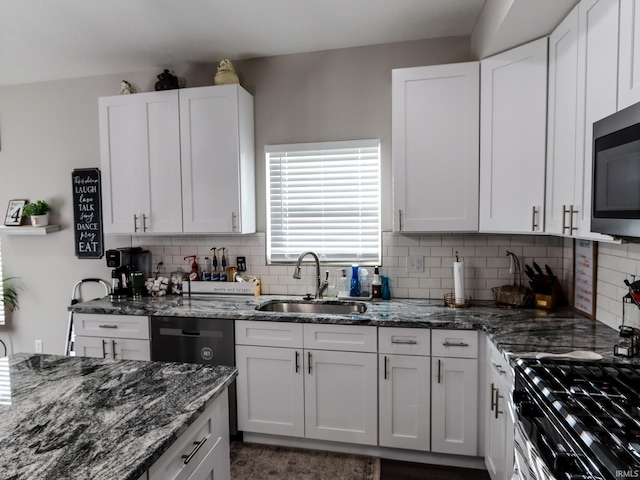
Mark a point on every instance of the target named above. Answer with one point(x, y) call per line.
point(107, 326)
point(144, 222)
point(198, 445)
point(404, 341)
point(534, 225)
point(297, 361)
point(439, 364)
point(498, 397)
point(104, 349)
point(233, 222)
point(135, 222)
point(309, 362)
point(455, 344)
point(400, 219)
point(571, 227)
point(113, 348)
point(498, 368)
point(493, 396)
point(564, 216)
point(386, 361)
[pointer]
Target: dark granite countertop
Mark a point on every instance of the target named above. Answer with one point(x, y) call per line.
point(518, 332)
point(88, 418)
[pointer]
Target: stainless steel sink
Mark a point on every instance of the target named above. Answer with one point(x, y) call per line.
point(335, 307)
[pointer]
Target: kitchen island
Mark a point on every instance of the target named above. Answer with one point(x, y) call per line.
point(86, 418)
point(516, 332)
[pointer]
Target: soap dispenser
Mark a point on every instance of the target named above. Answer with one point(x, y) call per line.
point(343, 283)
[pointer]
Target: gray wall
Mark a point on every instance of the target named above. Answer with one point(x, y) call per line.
point(49, 129)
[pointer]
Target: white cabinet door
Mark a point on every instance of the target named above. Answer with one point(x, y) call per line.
point(270, 390)
point(341, 392)
point(405, 407)
point(140, 162)
point(435, 127)
point(598, 93)
point(561, 134)
point(217, 160)
point(629, 66)
point(512, 142)
point(454, 401)
point(113, 348)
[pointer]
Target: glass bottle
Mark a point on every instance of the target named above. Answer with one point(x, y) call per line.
point(355, 281)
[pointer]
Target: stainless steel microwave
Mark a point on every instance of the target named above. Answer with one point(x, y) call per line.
point(615, 207)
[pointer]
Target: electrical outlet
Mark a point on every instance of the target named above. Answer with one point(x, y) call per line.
point(415, 264)
point(38, 346)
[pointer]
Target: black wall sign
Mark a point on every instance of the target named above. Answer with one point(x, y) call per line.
point(87, 213)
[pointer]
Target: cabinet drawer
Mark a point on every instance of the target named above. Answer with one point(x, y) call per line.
point(210, 430)
point(498, 363)
point(113, 326)
point(352, 338)
point(404, 341)
point(269, 334)
point(454, 343)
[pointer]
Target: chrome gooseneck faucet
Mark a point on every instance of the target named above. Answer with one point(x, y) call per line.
point(321, 285)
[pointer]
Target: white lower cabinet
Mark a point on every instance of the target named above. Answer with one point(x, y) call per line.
point(454, 392)
point(118, 337)
point(202, 451)
point(499, 415)
point(323, 393)
point(404, 388)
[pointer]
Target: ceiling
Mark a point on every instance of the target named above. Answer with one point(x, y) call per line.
point(42, 40)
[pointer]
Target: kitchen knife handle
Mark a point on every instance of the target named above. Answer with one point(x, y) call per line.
point(135, 222)
point(534, 225)
point(297, 361)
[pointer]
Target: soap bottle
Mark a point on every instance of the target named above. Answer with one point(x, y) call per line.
point(343, 283)
point(354, 291)
point(386, 291)
point(376, 284)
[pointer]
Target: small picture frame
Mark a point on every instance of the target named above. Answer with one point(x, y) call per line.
point(13, 217)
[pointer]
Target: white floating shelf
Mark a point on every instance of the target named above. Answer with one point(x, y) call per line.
point(28, 230)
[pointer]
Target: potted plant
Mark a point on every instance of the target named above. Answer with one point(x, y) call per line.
point(38, 212)
point(10, 294)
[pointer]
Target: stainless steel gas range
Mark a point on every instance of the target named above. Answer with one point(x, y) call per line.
point(577, 420)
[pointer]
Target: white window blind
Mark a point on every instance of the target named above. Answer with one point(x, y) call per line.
point(1, 289)
point(324, 197)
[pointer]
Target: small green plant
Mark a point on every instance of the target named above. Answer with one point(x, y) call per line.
point(10, 294)
point(38, 208)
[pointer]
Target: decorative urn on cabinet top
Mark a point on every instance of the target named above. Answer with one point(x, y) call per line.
point(226, 74)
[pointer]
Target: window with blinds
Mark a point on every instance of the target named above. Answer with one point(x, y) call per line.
point(324, 197)
point(1, 289)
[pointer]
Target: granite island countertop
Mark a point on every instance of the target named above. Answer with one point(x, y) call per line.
point(88, 418)
point(517, 332)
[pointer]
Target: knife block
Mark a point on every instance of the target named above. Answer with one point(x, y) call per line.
point(549, 302)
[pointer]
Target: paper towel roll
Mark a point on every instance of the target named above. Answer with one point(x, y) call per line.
point(458, 282)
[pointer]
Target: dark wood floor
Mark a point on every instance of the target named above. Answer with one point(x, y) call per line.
point(394, 470)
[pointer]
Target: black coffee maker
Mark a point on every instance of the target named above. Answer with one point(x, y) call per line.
point(127, 263)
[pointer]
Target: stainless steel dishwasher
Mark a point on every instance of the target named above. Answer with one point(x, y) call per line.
point(196, 340)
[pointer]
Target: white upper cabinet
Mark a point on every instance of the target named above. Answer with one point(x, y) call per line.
point(513, 123)
point(629, 66)
point(178, 161)
point(140, 161)
point(583, 74)
point(217, 146)
point(435, 128)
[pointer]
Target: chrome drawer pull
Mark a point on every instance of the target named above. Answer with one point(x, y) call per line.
point(439, 364)
point(107, 326)
point(498, 397)
point(198, 445)
point(498, 368)
point(386, 361)
point(297, 361)
point(459, 344)
point(407, 341)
